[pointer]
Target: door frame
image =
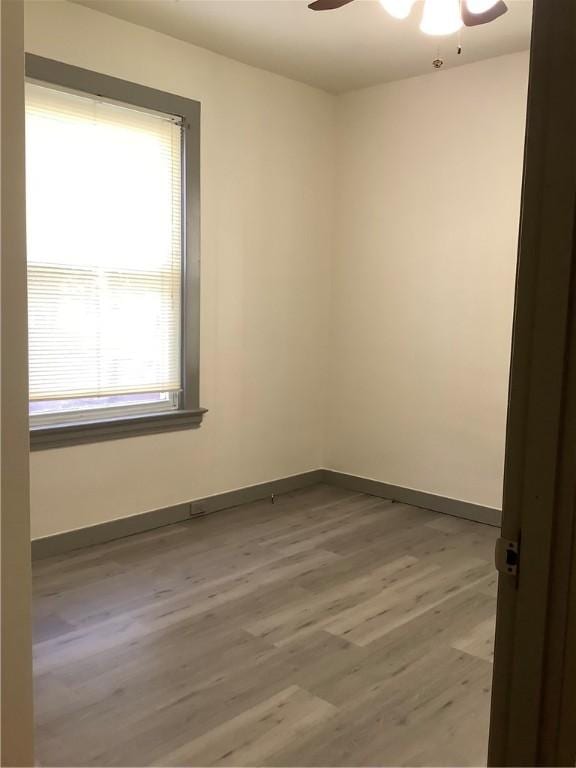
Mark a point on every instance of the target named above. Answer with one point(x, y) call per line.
point(534, 663)
point(16, 704)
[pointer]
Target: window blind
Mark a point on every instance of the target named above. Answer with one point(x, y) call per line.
point(104, 197)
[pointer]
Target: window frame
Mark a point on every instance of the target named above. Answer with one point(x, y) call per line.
point(188, 414)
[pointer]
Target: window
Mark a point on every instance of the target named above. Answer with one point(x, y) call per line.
point(112, 220)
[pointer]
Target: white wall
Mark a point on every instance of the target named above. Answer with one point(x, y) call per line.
point(429, 175)
point(267, 159)
point(371, 336)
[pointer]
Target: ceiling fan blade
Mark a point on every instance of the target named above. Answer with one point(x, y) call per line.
point(475, 19)
point(328, 5)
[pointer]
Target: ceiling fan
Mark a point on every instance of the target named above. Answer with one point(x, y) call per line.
point(440, 17)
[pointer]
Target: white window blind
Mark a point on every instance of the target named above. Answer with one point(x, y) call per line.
point(104, 198)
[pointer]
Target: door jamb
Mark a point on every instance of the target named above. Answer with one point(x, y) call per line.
point(538, 511)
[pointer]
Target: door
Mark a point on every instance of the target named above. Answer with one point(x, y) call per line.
point(534, 668)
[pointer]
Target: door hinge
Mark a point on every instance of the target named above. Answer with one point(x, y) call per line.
point(506, 557)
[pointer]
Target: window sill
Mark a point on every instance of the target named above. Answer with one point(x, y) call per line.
point(42, 438)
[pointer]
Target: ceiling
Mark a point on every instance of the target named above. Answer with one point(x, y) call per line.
point(355, 46)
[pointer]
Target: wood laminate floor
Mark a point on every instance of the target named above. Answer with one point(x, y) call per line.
point(328, 629)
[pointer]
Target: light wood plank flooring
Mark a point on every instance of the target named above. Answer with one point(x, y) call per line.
point(327, 629)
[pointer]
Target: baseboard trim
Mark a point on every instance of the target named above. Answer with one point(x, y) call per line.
point(443, 504)
point(252, 493)
point(60, 543)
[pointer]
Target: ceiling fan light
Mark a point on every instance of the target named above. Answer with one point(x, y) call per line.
point(441, 17)
point(399, 9)
point(480, 6)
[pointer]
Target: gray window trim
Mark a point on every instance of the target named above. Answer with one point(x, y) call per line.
point(113, 429)
point(189, 414)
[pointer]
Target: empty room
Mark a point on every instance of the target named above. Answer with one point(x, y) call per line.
point(271, 255)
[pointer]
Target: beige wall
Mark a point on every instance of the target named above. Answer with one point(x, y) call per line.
point(267, 151)
point(16, 662)
point(372, 337)
point(429, 175)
